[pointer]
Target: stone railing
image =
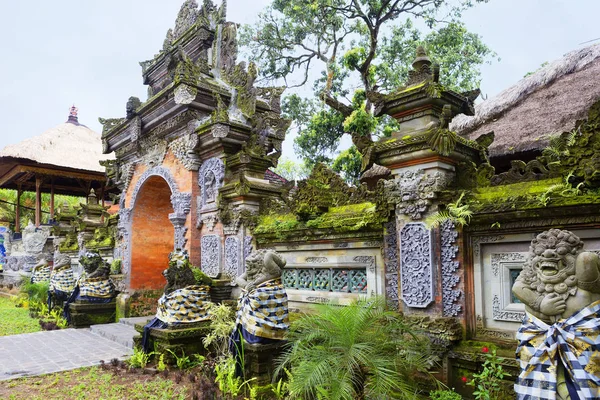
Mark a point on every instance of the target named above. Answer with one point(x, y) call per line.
point(326, 278)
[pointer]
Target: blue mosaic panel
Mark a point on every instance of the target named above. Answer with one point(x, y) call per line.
point(326, 279)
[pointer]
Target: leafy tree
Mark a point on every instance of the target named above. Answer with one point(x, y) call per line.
point(291, 170)
point(356, 50)
point(354, 352)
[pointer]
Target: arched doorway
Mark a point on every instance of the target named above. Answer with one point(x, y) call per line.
point(152, 234)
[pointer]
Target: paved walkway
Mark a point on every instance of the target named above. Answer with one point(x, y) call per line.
point(61, 350)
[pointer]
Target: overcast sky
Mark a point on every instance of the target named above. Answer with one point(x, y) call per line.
point(55, 53)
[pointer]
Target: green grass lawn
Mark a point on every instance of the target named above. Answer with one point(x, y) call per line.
point(92, 384)
point(15, 320)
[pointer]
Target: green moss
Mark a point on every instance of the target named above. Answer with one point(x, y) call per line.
point(346, 218)
point(275, 223)
point(503, 192)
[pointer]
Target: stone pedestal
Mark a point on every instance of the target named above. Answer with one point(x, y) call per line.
point(186, 339)
point(220, 290)
point(260, 361)
point(85, 314)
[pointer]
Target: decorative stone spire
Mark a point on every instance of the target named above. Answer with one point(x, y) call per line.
point(421, 60)
point(73, 116)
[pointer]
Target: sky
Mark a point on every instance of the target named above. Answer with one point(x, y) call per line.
point(62, 52)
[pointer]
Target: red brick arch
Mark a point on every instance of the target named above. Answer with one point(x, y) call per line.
point(152, 234)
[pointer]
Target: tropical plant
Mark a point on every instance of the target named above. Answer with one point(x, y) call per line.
point(357, 351)
point(37, 293)
point(139, 359)
point(221, 325)
point(227, 379)
point(488, 383)
point(456, 212)
point(444, 395)
point(184, 362)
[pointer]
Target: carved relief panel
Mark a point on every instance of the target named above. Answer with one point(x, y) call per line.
point(416, 270)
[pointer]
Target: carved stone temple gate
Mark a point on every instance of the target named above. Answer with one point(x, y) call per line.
point(190, 161)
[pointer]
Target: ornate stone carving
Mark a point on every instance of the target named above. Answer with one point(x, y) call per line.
point(211, 255)
point(210, 179)
point(154, 151)
point(450, 280)
point(188, 15)
point(482, 331)
point(391, 263)
point(414, 191)
point(34, 238)
point(247, 246)
point(499, 314)
point(185, 94)
point(369, 261)
point(477, 241)
point(232, 256)
point(497, 258)
point(182, 203)
point(163, 172)
point(521, 172)
point(416, 270)
point(135, 129)
point(316, 259)
point(184, 150)
point(178, 222)
point(209, 220)
point(342, 245)
point(220, 130)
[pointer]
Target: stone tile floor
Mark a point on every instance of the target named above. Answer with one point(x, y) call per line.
point(54, 351)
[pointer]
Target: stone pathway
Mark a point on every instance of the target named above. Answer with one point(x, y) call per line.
point(54, 351)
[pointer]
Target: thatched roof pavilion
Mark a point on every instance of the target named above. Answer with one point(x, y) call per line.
point(62, 160)
point(547, 102)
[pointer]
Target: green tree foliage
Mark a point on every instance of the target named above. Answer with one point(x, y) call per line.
point(291, 170)
point(353, 352)
point(356, 50)
point(8, 199)
point(348, 164)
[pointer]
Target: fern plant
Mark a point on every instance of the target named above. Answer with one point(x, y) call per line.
point(357, 351)
point(456, 212)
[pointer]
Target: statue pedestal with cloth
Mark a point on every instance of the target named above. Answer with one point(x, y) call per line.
point(93, 298)
point(182, 318)
point(262, 315)
point(559, 340)
point(62, 281)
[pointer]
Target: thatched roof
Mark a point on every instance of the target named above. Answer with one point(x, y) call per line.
point(69, 145)
point(548, 102)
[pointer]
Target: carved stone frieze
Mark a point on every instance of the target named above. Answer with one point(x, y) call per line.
point(34, 238)
point(210, 179)
point(232, 256)
point(476, 242)
point(416, 270)
point(211, 254)
point(413, 192)
point(316, 259)
point(482, 331)
point(179, 120)
point(178, 222)
point(220, 130)
point(209, 220)
point(369, 261)
point(390, 252)
point(498, 258)
point(450, 279)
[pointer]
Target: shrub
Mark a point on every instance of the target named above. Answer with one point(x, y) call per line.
point(352, 352)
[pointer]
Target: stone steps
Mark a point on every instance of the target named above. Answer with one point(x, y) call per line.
point(121, 332)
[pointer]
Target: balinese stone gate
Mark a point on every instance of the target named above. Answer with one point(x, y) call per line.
point(203, 139)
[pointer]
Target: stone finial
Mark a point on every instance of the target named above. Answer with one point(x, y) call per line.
point(92, 198)
point(73, 115)
point(421, 59)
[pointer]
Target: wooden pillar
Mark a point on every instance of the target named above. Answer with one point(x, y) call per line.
point(38, 201)
point(52, 199)
point(18, 210)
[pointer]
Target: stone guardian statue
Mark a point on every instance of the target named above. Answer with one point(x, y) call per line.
point(559, 340)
